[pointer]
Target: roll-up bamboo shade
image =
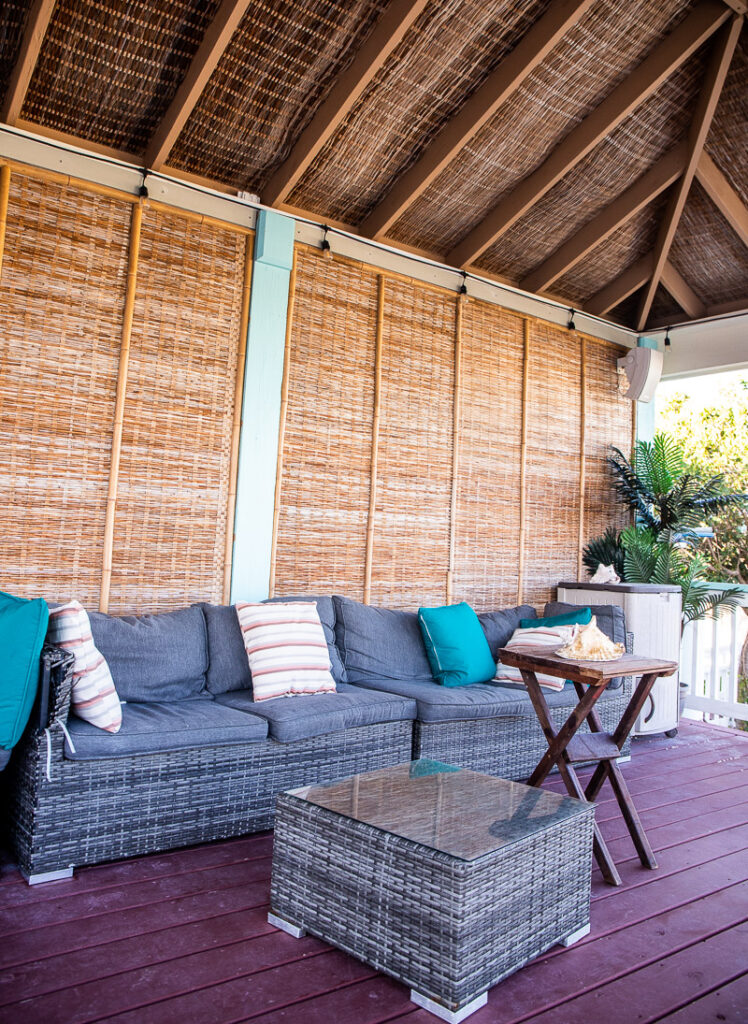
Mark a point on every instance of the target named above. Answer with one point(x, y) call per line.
point(411, 542)
point(609, 421)
point(553, 464)
point(62, 295)
point(170, 522)
point(487, 519)
point(324, 494)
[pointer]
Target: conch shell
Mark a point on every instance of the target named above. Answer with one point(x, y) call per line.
point(588, 643)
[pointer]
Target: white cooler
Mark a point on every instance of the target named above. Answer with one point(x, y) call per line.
point(653, 627)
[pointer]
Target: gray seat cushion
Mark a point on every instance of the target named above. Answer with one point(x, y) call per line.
point(499, 626)
point(300, 718)
point(463, 703)
point(160, 726)
point(154, 657)
point(379, 643)
point(610, 619)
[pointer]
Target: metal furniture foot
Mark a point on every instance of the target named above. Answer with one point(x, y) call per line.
point(575, 936)
point(451, 1016)
point(285, 926)
point(49, 876)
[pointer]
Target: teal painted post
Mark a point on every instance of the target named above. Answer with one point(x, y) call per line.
point(645, 411)
point(263, 375)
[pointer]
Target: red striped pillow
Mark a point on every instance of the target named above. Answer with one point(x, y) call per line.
point(286, 649)
point(94, 697)
point(535, 636)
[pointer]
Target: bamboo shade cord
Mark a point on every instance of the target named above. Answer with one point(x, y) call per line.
point(170, 522)
point(241, 362)
point(133, 256)
point(552, 502)
point(326, 475)
point(459, 305)
point(582, 449)
point(415, 448)
point(4, 197)
point(486, 524)
point(282, 422)
point(523, 462)
point(374, 441)
point(62, 294)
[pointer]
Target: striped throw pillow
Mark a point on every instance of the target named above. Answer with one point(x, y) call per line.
point(94, 697)
point(535, 636)
point(286, 649)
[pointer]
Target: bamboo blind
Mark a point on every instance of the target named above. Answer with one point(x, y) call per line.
point(170, 519)
point(62, 295)
point(487, 516)
point(322, 522)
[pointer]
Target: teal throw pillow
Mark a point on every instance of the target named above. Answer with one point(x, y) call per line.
point(23, 626)
point(581, 617)
point(456, 645)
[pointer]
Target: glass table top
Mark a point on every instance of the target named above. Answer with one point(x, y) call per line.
point(453, 810)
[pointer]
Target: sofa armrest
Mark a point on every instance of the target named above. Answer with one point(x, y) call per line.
point(55, 686)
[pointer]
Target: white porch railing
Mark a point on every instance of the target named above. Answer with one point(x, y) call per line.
point(710, 652)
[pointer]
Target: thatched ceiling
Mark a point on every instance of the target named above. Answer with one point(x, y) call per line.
point(593, 150)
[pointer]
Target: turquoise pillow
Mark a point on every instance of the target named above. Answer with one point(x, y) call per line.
point(23, 626)
point(456, 645)
point(581, 617)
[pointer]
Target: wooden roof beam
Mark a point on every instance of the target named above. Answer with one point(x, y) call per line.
point(625, 284)
point(646, 188)
point(394, 23)
point(216, 39)
point(529, 52)
point(676, 48)
point(723, 195)
point(36, 28)
point(706, 104)
point(682, 291)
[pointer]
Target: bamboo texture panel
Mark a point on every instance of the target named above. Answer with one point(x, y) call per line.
point(609, 421)
point(412, 517)
point(321, 541)
point(553, 463)
point(170, 519)
point(62, 295)
point(487, 513)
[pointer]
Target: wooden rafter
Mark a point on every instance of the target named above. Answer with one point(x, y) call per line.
point(529, 52)
point(682, 291)
point(723, 195)
point(646, 188)
point(624, 285)
point(694, 30)
point(706, 104)
point(33, 37)
point(389, 31)
point(212, 48)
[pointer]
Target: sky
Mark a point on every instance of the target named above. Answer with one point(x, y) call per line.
point(701, 390)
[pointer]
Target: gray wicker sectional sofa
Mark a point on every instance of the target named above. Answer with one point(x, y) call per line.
point(197, 760)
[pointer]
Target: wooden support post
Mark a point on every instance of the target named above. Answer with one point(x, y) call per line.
point(374, 441)
point(582, 452)
point(241, 360)
point(4, 197)
point(455, 445)
point(119, 407)
point(523, 461)
point(282, 424)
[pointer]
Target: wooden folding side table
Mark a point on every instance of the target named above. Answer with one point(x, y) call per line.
point(566, 748)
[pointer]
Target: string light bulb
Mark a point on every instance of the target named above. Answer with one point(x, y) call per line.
point(667, 338)
point(571, 325)
point(326, 250)
point(463, 286)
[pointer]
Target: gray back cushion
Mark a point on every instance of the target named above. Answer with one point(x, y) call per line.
point(499, 626)
point(326, 610)
point(154, 657)
point(610, 620)
point(379, 643)
point(228, 668)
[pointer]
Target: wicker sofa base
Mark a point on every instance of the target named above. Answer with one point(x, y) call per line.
point(93, 811)
point(509, 748)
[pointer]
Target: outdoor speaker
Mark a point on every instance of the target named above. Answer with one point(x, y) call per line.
point(643, 369)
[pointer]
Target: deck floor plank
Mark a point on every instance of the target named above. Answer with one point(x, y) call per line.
point(183, 936)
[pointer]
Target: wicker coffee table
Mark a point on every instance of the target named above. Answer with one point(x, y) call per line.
point(446, 879)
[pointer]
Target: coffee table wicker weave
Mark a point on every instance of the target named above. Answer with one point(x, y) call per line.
point(444, 878)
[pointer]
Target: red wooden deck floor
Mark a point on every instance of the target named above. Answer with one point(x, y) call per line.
point(183, 937)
